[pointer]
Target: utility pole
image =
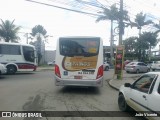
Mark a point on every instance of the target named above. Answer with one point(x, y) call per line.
point(120, 49)
point(121, 24)
point(26, 35)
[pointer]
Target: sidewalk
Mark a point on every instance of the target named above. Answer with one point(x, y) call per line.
point(115, 83)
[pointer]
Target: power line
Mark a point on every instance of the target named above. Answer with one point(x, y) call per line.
point(145, 4)
point(80, 4)
point(87, 13)
point(91, 6)
point(88, 6)
point(98, 4)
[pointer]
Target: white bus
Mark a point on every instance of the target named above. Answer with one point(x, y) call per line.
point(79, 61)
point(18, 57)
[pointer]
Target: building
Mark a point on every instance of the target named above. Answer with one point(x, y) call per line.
point(107, 53)
point(50, 55)
point(40, 48)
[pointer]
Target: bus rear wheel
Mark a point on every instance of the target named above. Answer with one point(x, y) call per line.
point(11, 69)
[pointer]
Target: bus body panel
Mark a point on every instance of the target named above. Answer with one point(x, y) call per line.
point(74, 82)
point(21, 56)
point(79, 69)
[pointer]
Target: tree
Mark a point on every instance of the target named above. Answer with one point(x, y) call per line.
point(130, 46)
point(140, 21)
point(111, 14)
point(158, 27)
point(9, 31)
point(38, 29)
point(39, 33)
point(147, 41)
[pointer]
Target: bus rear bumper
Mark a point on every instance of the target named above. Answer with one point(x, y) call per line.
point(66, 82)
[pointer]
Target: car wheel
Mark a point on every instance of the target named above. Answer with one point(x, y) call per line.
point(122, 103)
point(11, 69)
point(106, 68)
point(137, 71)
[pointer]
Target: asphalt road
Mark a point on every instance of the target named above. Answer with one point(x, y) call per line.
point(37, 92)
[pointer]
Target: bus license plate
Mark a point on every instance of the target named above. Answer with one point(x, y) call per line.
point(77, 77)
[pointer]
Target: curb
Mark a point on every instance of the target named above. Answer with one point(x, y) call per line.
point(112, 86)
point(116, 88)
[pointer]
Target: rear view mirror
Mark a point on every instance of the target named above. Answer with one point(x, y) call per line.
point(127, 85)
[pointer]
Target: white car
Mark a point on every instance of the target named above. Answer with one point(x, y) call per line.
point(143, 95)
point(51, 63)
point(155, 65)
point(136, 67)
point(106, 66)
point(3, 69)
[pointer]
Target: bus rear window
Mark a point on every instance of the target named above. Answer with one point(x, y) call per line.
point(79, 46)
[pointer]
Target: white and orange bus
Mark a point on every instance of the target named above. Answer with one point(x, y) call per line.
point(79, 61)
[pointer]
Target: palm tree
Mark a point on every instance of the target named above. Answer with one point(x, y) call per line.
point(39, 33)
point(112, 14)
point(158, 27)
point(9, 31)
point(109, 14)
point(140, 21)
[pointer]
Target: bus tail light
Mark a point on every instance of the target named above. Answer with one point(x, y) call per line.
point(100, 72)
point(57, 71)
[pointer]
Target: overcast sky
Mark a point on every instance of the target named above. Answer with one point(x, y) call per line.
point(60, 22)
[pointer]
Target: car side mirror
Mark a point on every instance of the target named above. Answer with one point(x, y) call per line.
point(127, 85)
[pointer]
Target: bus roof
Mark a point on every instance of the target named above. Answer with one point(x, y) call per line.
point(79, 37)
point(22, 44)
